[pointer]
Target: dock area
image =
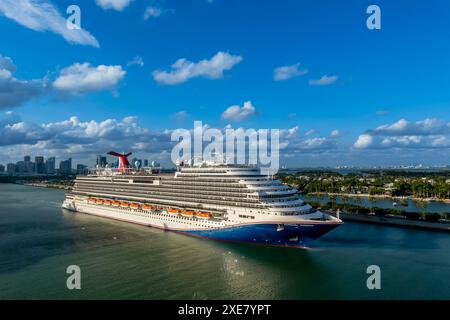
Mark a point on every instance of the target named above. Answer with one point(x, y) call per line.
point(401, 222)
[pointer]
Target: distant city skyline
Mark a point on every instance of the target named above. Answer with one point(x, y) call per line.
point(341, 94)
point(104, 160)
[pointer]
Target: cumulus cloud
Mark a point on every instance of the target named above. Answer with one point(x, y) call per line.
point(76, 138)
point(287, 72)
point(183, 70)
point(427, 133)
point(324, 81)
point(117, 5)
point(75, 79)
point(403, 127)
point(82, 77)
point(363, 141)
point(82, 140)
point(238, 113)
point(13, 91)
point(39, 15)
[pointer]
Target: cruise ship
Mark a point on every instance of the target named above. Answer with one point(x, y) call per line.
point(208, 200)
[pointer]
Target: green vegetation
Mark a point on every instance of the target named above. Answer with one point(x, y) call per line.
point(345, 207)
point(375, 183)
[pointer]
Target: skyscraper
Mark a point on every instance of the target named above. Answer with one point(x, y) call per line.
point(11, 168)
point(50, 165)
point(101, 161)
point(82, 169)
point(65, 166)
point(39, 164)
point(26, 166)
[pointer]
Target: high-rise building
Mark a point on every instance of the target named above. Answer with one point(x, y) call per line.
point(25, 166)
point(39, 164)
point(21, 167)
point(145, 163)
point(50, 165)
point(65, 166)
point(101, 161)
point(11, 169)
point(82, 169)
point(2, 168)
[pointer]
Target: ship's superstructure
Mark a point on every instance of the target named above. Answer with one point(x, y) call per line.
point(217, 201)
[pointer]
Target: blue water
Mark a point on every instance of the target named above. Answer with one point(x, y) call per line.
point(38, 240)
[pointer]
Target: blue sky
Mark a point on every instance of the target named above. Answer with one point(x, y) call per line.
point(387, 99)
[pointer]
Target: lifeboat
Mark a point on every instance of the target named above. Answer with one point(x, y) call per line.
point(116, 203)
point(187, 213)
point(147, 207)
point(107, 202)
point(99, 201)
point(135, 206)
point(91, 200)
point(173, 211)
point(124, 204)
point(203, 215)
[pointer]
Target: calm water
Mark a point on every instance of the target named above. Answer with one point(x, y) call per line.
point(38, 240)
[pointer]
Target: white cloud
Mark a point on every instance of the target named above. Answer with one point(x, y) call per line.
point(137, 60)
point(335, 133)
point(80, 139)
point(183, 70)
point(427, 133)
point(13, 91)
point(237, 113)
point(310, 132)
point(324, 81)
point(39, 15)
point(364, 141)
point(117, 5)
point(7, 64)
point(82, 77)
point(152, 11)
point(287, 72)
point(422, 127)
point(290, 133)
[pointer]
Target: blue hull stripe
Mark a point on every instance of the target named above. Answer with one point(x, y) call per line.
point(292, 235)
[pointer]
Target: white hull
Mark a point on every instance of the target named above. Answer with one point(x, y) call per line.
point(161, 220)
point(168, 221)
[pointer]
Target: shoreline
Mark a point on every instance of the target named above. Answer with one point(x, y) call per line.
point(393, 221)
point(377, 196)
point(440, 226)
point(44, 185)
